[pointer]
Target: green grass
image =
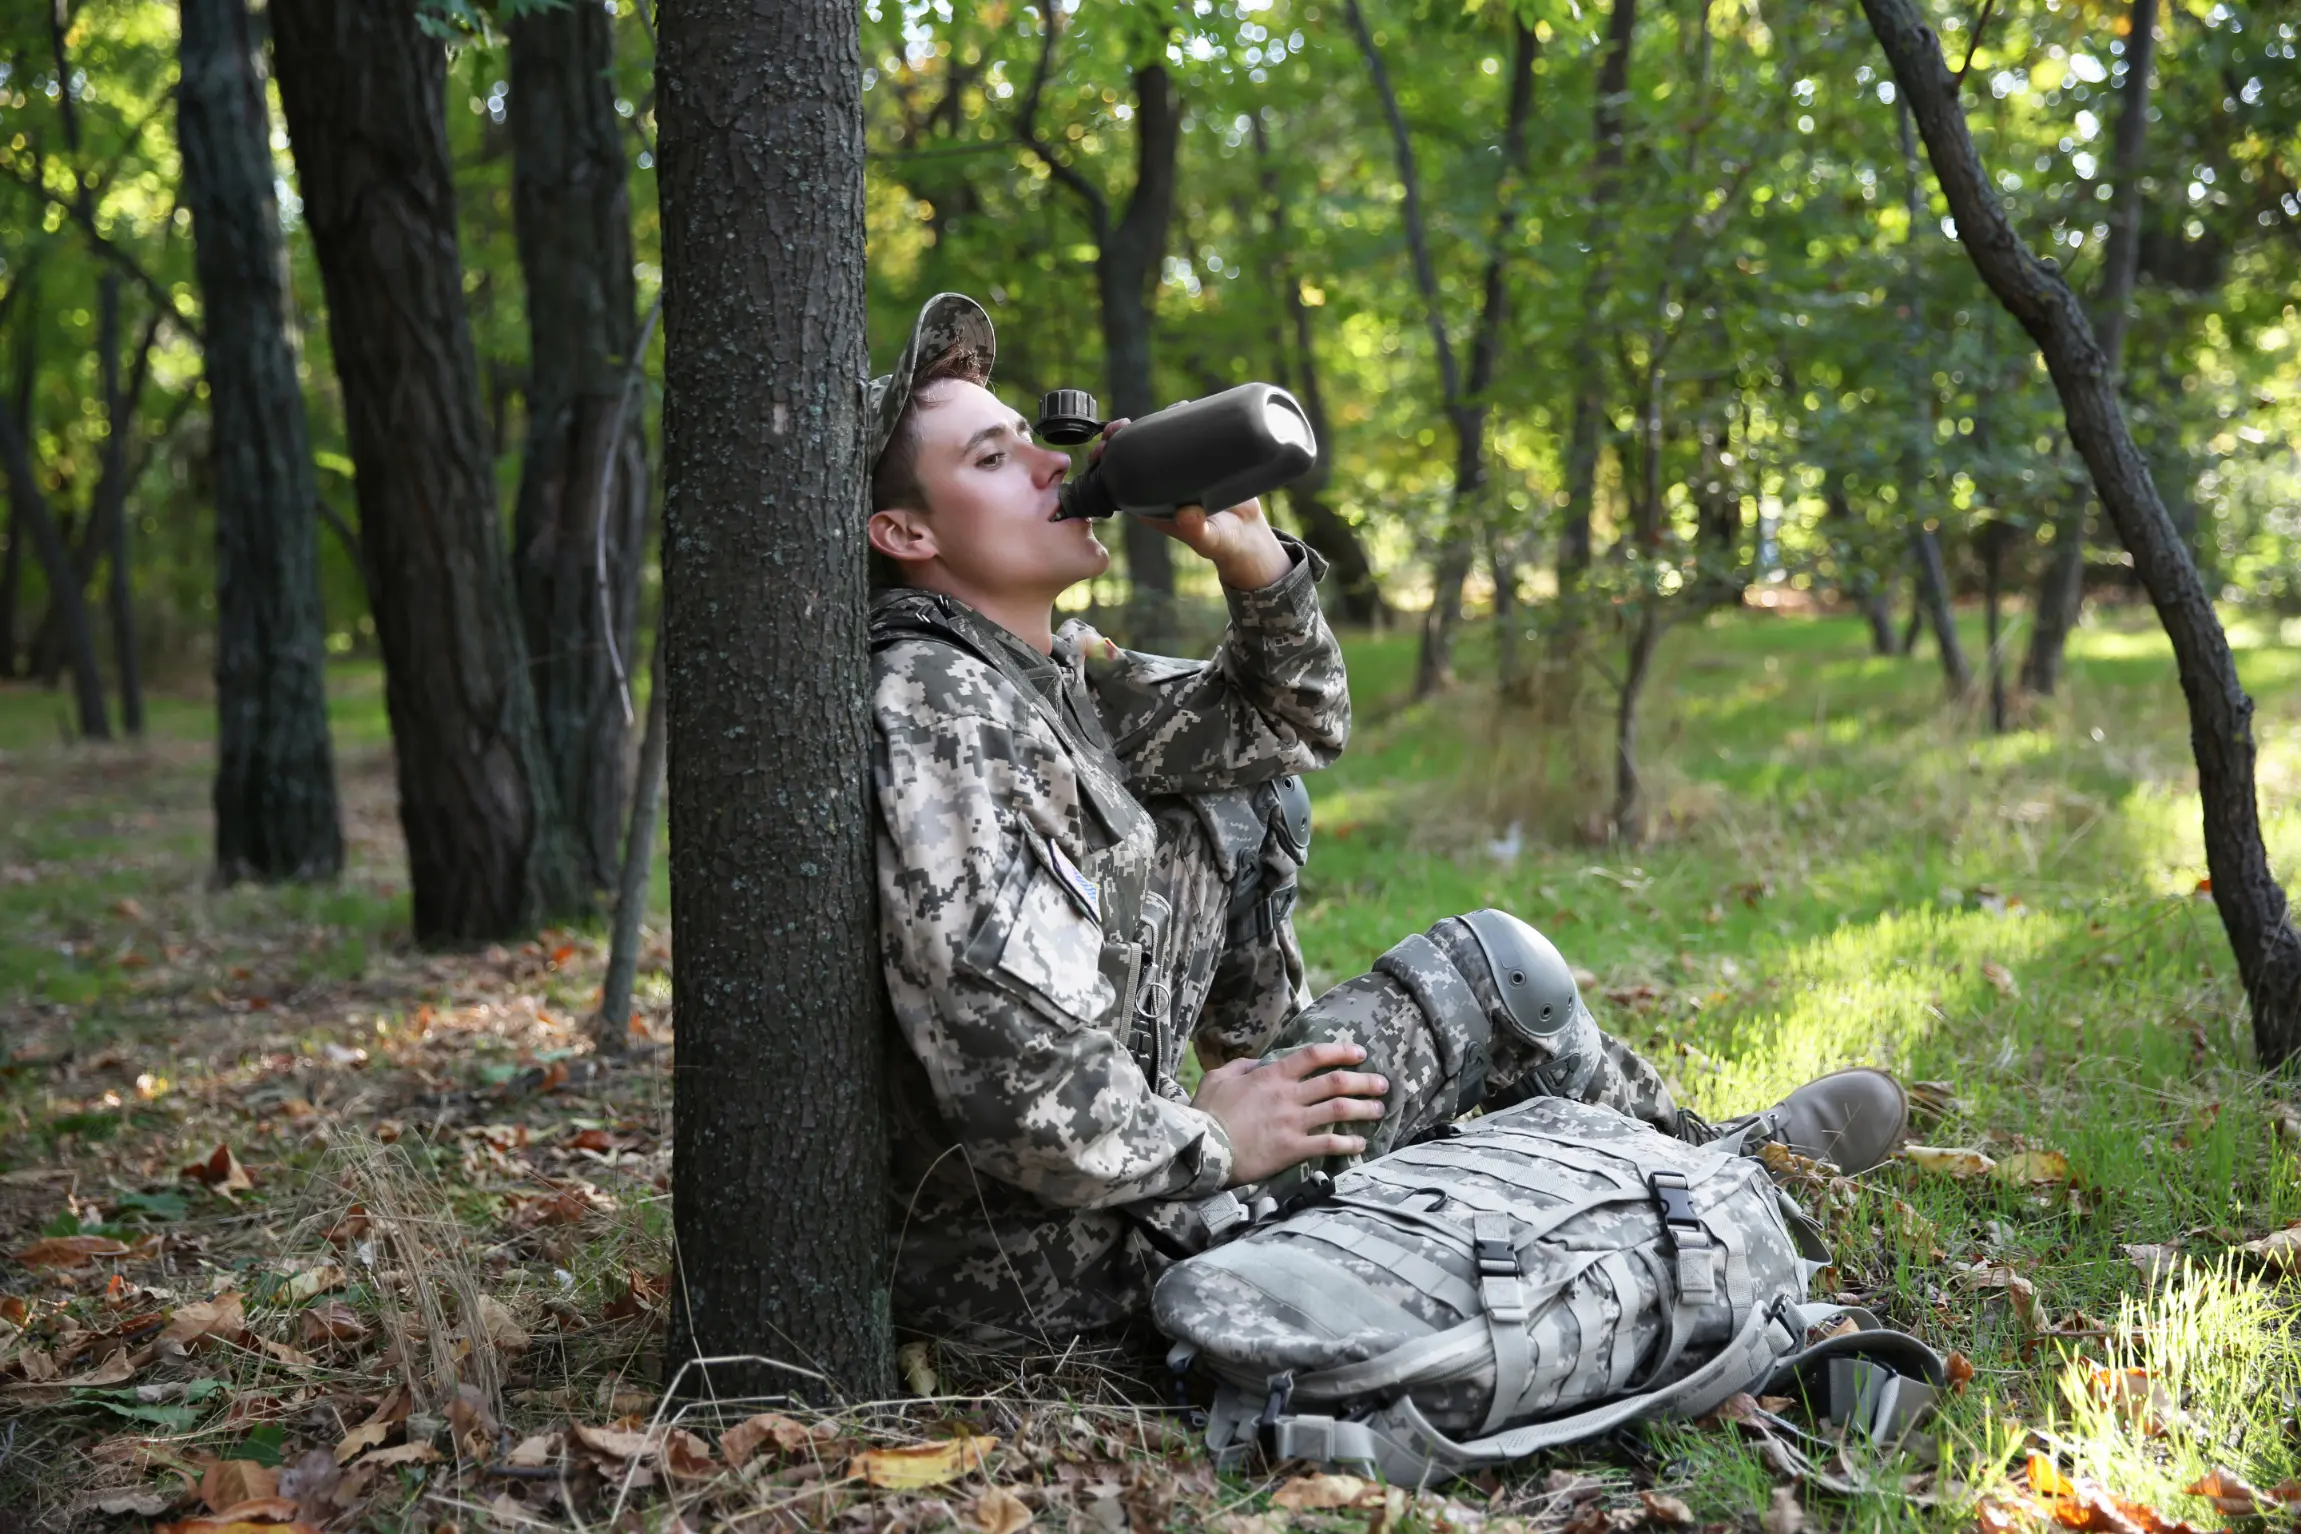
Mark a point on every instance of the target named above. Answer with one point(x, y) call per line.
point(1846, 869)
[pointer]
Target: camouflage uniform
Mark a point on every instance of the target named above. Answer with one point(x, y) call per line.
point(1082, 865)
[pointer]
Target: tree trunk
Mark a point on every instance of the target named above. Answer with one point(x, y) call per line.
point(1629, 789)
point(779, 1174)
point(1464, 399)
point(108, 517)
point(275, 789)
point(1857, 580)
point(65, 598)
point(611, 1028)
point(572, 217)
point(2060, 599)
point(11, 586)
point(1127, 269)
point(25, 290)
point(488, 855)
point(1992, 539)
point(1583, 357)
point(1358, 596)
point(2061, 590)
point(2252, 905)
point(1932, 579)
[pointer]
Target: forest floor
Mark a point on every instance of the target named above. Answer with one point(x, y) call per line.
point(305, 1223)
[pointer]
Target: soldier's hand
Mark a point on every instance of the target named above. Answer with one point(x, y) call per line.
point(1283, 1111)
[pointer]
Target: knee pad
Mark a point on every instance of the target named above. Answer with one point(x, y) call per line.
point(1541, 1004)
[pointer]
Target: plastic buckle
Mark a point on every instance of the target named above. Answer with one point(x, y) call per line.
point(1673, 1198)
point(1496, 1259)
point(1316, 1189)
point(1274, 1408)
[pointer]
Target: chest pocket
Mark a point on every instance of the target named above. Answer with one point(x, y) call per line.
point(1041, 937)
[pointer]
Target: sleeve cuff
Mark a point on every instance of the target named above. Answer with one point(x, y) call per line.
point(1215, 1158)
point(1288, 603)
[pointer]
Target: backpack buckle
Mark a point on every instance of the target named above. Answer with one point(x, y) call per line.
point(1496, 1259)
point(1674, 1198)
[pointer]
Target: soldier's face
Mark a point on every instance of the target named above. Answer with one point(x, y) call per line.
point(991, 500)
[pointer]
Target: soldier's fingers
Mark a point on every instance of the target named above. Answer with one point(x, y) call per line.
point(1343, 1108)
point(1343, 1084)
point(1334, 1145)
point(1320, 1057)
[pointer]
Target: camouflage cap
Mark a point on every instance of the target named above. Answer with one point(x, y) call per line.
point(945, 321)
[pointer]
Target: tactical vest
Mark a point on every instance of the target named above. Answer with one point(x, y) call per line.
point(1119, 837)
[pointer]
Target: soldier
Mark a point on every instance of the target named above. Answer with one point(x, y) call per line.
point(1086, 861)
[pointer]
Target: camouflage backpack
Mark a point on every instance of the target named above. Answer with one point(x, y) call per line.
point(1540, 1275)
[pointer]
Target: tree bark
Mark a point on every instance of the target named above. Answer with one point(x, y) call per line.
point(1464, 398)
point(108, 517)
point(779, 1185)
point(65, 598)
point(2247, 895)
point(275, 788)
point(488, 855)
point(611, 1028)
point(586, 459)
point(1932, 581)
point(2061, 589)
point(25, 290)
point(1127, 267)
point(1584, 360)
point(1358, 596)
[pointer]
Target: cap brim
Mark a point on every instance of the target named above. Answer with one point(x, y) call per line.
point(945, 321)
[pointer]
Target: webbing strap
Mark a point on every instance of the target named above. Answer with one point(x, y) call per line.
point(1688, 1236)
point(1628, 1303)
point(1502, 1289)
point(1401, 1262)
point(1459, 1026)
point(1619, 1170)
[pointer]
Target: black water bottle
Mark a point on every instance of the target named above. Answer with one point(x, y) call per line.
point(1214, 452)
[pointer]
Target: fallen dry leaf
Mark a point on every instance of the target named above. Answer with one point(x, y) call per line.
point(1324, 1493)
point(684, 1454)
point(998, 1511)
point(533, 1453)
point(915, 1465)
point(221, 1171)
point(1784, 1514)
point(235, 1526)
point(312, 1283)
point(227, 1483)
point(495, 1320)
point(2034, 1166)
point(114, 1370)
point(2228, 1492)
point(2155, 1262)
point(788, 1436)
point(368, 1435)
point(1960, 1370)
point(223, 1318)
point(1948, 1160)
point(2019, 1290)
point(2281, 1251)
point(403, 1454)
point(135, 1504)
point(332, 1321)
point(614, 1443)
point(1665, 1509)
point(1992, 1515)
point(71, 1251)
point(916, 1360)
point(2001, 977)
point(2136, 1395)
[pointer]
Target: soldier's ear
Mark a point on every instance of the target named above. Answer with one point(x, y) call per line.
point(903, 535)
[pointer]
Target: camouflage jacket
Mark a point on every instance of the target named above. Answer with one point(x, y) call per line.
point(1021, 932)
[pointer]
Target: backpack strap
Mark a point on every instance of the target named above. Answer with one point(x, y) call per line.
point(1502, 1293)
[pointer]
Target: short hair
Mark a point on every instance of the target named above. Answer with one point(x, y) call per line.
point(895, 477)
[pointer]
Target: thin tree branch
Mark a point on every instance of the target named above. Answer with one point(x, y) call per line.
point(110, 250)
point(1417, 242)
point(1098, 205)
